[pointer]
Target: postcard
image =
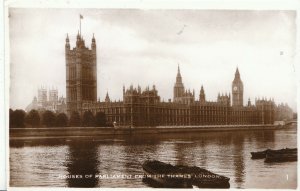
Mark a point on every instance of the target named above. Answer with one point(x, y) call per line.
point(151, 96)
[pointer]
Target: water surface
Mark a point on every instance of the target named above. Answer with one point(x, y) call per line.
point(52, 162)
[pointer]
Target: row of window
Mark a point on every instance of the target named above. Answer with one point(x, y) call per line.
point(119, 110)
point(125, 120)
point(87, 93)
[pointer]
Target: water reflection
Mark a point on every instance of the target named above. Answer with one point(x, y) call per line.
point(238, 160)
point(181, 154)
point(82, 164)
point(225, 153)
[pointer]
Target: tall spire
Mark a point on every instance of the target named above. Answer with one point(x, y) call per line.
point(178, 77)
point(178, 87)
point(237, 73)
point(93, 43)
point(93, 39)
point(202, 90)
point(107, 99)
point(67, 46)
point(67, 39)
point(202, 95)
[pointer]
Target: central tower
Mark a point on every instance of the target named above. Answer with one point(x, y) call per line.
point(237, 90)
point(81, 74)
point(178, 87)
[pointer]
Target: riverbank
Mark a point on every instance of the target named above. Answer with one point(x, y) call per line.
point(60, 132)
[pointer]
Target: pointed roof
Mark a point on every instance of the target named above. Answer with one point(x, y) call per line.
point(178, 71)
point(237, 74)
point(107, 99)
point(237, 71)
point(202, 90)
point(93, 39)
point(178, 77)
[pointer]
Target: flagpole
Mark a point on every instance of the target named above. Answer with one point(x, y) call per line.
point(80, 25)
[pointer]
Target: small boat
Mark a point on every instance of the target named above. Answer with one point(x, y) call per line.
point(263, 154)
point(164, 175)
point(259, 154)
point(180, 176)
point(281, 157)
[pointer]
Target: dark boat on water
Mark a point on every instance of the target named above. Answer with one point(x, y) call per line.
point(281, 157)
point(259, 155)
point(286, 154)
point(179, 176)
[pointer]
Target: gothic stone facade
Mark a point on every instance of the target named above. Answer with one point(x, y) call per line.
point(145, 108)
point(42, 103)
point(81, 74)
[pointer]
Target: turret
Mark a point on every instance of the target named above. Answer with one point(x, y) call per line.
point(178, 90)
point(67, 43)
point(153, 87)
point(249, 102)
point(107, 99)
point(202, 95)
point(178, 77)
point(93, 43)
point(78, 40)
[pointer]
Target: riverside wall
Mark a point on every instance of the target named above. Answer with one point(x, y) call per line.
point(60, 132)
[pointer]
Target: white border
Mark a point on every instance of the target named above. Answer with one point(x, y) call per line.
point(140, 4)
point(3, 126)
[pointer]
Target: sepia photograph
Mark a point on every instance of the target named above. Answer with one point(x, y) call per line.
point(152, 98)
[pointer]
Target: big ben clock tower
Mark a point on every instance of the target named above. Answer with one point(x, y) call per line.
point(237, 90)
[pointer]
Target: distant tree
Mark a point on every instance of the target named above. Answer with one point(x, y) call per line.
point(75, 119)
point(61, 120)
point(17, 118)
point(49, 118)
point(88, 119)
point(100, 119)
point(33, 118)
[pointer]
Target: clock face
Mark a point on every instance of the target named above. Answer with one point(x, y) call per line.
point(235, 88)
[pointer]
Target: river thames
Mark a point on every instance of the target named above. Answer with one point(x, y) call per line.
point(116, 161)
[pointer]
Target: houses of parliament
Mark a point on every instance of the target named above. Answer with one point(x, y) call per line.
point(145, 107)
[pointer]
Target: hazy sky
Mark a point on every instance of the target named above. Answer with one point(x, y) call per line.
point(145, 46)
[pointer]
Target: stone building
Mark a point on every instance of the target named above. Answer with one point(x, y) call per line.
point(181, 95)
point(42, 103)
point(283, 112)
point(53, 95)
point(145, 108)
point(237, 90)
point(42, 95)
point(81, 74)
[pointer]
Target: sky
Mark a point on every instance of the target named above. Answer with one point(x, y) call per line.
point(144, 47)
